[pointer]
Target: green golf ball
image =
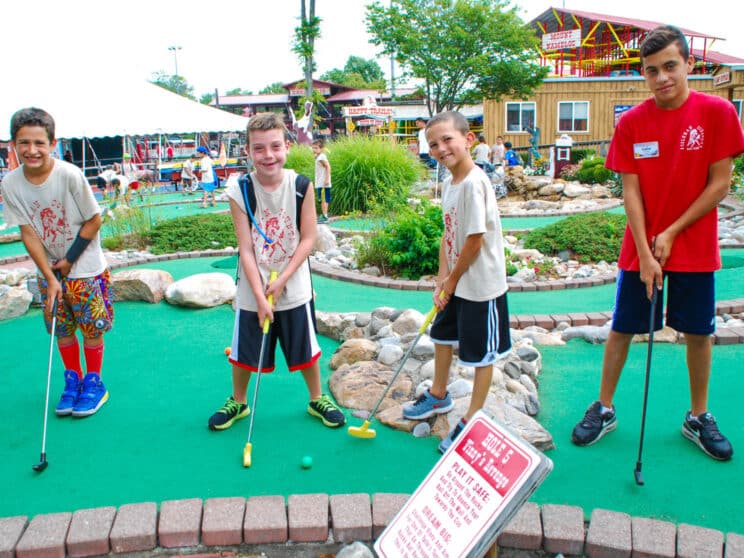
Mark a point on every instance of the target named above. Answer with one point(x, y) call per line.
point(307, 462)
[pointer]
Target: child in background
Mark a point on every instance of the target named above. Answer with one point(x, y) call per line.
point(293, 314)
point(470, 291)
point(207, 176)
point(60, 219)
point(511, 159)
point(322, 178)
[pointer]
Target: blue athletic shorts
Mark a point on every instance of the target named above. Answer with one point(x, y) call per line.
point(480, 329)
point(319, 193)
point(294, 329)
point(690, 303)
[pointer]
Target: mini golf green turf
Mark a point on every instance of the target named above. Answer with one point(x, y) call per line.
point(166, 372)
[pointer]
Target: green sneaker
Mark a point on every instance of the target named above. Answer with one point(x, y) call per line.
point(327, 411)
point(228, 414)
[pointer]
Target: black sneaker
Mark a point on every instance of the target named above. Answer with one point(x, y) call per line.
point(594, 425)
point(703, 432)
point(326, 410)
point(228, 414)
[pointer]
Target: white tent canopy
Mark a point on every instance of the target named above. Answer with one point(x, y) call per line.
point(94, 106)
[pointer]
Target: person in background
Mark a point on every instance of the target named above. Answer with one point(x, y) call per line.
point(207, 176)
point(322, 178)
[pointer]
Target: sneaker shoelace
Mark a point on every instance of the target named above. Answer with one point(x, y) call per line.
point(324, 404)
point(709, 427)
point(421, 399)
point(231, 407)
point(592, 417)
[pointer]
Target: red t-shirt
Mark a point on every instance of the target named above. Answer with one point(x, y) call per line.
point(671, 152)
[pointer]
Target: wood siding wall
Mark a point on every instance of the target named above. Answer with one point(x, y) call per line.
point(602, 94)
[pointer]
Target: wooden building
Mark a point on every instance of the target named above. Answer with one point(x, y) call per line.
point(596, 76)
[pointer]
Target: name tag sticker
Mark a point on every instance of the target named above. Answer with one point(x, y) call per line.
point(646, 150)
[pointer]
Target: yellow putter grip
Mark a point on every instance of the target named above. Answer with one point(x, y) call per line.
point(272, 277)
point(430, 315)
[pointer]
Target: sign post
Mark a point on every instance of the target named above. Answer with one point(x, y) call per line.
point(468, 497)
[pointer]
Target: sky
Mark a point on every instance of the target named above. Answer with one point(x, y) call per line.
point(246, 44)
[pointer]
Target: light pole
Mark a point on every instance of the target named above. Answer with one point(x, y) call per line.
point(175, 50)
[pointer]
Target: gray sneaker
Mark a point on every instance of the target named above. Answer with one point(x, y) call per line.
point(594, 425)
point(427, 405)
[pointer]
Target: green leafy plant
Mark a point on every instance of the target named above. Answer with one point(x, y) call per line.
point(590, 237)
point(593, 171)
point(577, 155)
point(301, 159)
point(126, 227)
point(737, 177)
point(193, 232)
point(370, 173)
point(408, 245)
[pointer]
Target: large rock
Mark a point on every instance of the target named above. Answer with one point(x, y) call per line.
point(14, 302)
point(203, 290)
point(325, 240)
point(360, 386)
point(141, 284)
point(574, 190)
point(409, 321)
point(353, 350)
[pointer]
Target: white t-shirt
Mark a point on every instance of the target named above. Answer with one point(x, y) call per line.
point(187, 170)
point(321, 175)
point(423, 145)
point(275, 214)
point(207, 176)
point(56, 210)
point(470, 208)
point(498, 150)
point(481, 152)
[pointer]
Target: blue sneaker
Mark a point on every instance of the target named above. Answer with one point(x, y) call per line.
point(427, 405)
point(92, 396)
point(70, 394)
point(449, 438)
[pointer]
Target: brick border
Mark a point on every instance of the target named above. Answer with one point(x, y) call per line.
point(320, 521)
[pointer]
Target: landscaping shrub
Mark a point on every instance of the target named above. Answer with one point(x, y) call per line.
point(577, 155)
point(370, 173)
point(570, 172)
point(301, 159)
point(193, 232)
point(590, 237)
point(593, 171)
point(126, 228)
point(737, 178)
point(408, 245)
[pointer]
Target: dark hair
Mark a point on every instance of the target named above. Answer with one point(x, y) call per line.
point(319, 142)
point(458, 120)
point(264, 121)
point(32, 117)
point(662, 37)
point(508, 144)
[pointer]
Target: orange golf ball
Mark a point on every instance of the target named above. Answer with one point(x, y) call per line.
point(227, 351)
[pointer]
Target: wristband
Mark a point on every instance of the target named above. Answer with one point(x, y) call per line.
point(78, 247)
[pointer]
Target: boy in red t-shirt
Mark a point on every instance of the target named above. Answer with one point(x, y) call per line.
point(675, 154)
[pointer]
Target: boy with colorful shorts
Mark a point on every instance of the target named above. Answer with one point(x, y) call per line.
point(59, 219)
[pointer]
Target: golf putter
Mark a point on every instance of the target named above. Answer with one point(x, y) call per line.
point(637, 471)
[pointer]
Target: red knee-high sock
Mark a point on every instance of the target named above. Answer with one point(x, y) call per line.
point(93, 359)
point(71, 356)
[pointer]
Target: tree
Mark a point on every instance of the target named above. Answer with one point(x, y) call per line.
point(276, 87)
point(177, 84)
point(304, 44)
point(463, 50)
point(359, 73)
point(238, 91)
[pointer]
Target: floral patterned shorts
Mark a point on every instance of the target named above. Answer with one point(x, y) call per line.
point(86, 303)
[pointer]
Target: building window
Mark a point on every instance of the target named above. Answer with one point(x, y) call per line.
point(519, 116)
point(737, 104)
point(573, 116)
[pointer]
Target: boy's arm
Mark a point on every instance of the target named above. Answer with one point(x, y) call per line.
point(327, 167)
point(308, 234)
point(247, 259)
point(470, 249)
point(86, 233)
point(717, 188)
point(38, 254)
point(634, 209)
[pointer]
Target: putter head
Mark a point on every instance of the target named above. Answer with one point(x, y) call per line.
point(247, 455)
point(638, 477)
point(363, 431)
point(39, 467)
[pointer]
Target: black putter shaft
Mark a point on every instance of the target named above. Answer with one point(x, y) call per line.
point(43, 463)
point(637, 472)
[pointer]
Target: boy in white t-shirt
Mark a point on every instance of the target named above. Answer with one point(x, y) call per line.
point(470, 291)
point(53, 204)
point(322, 178)
point(292, 316)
